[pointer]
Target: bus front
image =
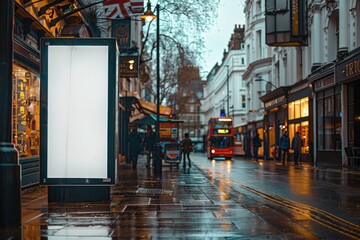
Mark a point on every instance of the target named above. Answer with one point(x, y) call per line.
point(220, 138)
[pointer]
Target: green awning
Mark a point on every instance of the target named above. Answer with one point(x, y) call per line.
point(151, 120)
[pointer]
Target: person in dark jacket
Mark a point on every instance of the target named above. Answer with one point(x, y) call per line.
point(296, 145)
point(186, 148)
point(284, 146)
point(134, 147)
point(149, 142)
point(256, 145)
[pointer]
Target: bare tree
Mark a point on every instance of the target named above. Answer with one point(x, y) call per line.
point(181, 41)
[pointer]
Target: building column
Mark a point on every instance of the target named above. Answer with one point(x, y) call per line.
point(343, 26)
point(316, 40)
point(10, 172)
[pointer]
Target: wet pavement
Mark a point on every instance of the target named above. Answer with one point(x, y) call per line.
point(237, 199)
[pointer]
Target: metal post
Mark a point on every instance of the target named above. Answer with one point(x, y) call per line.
point(157, 147)
point(10, 183)
point(227, 84)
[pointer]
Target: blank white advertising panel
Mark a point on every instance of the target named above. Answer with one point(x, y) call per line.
point(77, 111)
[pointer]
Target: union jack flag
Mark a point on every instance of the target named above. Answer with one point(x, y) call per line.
point(122, 8)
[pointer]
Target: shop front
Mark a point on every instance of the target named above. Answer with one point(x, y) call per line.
point(299, 117)
point(275, 120)
point(327, 117)
point(239, 140)
point(26, 108)
point(348, 75)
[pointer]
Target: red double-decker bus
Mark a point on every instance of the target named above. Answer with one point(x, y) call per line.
point(220, 140)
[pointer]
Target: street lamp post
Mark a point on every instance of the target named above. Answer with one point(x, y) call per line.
point(149, 16)
point(10, 200)
point(227, 87)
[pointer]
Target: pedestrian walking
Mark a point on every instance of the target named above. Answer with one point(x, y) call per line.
point(284, 147)
point(134, 147)
point(149, 142)
point(296, 145)
point(186, 148)
point(256, 145)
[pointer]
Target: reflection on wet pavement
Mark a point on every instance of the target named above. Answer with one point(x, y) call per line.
point(183, 204)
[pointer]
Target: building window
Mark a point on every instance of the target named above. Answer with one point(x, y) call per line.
point(243, 101)
point(329, 119)
point(298, 109)
point(26, 111)
point(303, 129)
point(258, 45)
point(298, 113)
point(333, 36)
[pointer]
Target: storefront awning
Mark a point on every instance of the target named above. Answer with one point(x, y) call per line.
point(145, 107)
point(151, 120)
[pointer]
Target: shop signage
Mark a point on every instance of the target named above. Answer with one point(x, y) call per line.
point(121, 30)
point(129, 66)
point(275, 102)
point(348, 69)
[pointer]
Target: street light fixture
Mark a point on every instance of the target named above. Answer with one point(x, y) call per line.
point(267, 81)
point(149, 16)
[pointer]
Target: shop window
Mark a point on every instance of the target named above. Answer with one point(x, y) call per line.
point(298, 109)
point(320, 125)
point(337, 121)
point(260, 131)
point(304, 105)
point(291, 108)
point(26, 111)
point(303, 129)
point(329, 121)
point(351, 115)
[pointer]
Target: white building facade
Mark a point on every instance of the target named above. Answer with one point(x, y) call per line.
point(258, 73)
point(314, 86)
point(225, 89)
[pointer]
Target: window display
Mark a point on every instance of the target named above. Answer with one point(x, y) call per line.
point(26, 111)
point(298, 110)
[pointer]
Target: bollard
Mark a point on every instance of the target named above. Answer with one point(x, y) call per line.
point(157, 159)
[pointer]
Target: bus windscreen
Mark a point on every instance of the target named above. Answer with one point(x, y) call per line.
point(222, 141)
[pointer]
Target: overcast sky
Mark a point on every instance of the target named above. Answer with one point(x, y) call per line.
point(231, 12)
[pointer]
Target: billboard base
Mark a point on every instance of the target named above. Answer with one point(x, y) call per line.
point(67, 194)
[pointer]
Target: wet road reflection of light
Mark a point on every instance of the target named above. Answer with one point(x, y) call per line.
point(228, 167)
point(299, 183)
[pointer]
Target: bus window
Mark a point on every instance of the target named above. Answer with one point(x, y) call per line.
point(222, 142)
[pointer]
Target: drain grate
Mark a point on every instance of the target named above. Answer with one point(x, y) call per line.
point(153, 191)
